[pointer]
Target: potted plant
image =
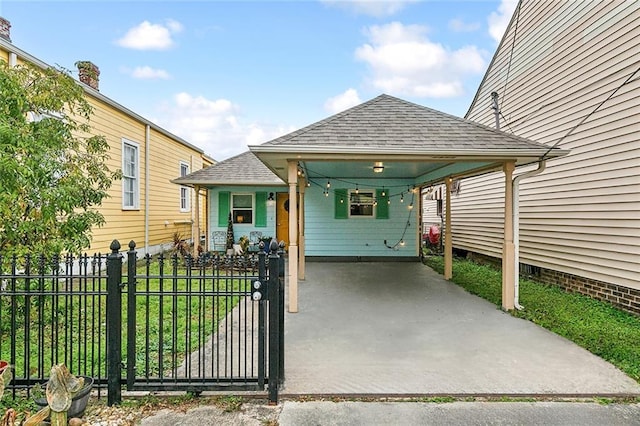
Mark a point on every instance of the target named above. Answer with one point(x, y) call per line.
point(66, 395)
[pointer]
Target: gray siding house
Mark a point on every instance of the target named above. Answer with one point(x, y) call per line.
point(567, 74)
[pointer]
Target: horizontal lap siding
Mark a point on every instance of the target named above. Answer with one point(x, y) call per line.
point(582, 214)
point(165, 217)
point(327, 236)
point(123, 225)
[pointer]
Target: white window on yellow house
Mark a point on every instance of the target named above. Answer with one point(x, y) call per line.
point(361, 203)
point(242, 208)
point(130, 175)
point(185, 199)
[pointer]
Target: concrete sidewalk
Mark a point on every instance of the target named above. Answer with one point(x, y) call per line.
point(457, 413)
point(401, 329)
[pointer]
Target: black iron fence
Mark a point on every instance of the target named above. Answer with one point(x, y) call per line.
point(162, 323)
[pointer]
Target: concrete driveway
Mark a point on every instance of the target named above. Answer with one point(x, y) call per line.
point(401, 329)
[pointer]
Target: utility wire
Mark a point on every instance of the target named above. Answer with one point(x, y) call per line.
point(513, 45)
point(586, 117)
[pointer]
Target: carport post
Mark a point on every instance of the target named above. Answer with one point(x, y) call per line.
point(293, 236)
point(448, 248)
point(508, 247)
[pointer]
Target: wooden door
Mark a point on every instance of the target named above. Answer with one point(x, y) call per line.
point(282, 217)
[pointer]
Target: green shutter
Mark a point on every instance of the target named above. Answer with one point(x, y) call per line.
point(342, 208)
point(382, 209)
point(261, 209)
point(223, 208)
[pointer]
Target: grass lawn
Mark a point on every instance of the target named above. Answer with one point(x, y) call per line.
point(64, 321)
point(597, 326)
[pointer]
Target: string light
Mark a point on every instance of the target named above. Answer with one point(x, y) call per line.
point(328, 184)
point(341, 200)
point(357, 190)
point(402, 197)
point(411, 206)
point(383, 193)
point(389, 201)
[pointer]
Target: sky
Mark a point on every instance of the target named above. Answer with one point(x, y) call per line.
point(223, 75)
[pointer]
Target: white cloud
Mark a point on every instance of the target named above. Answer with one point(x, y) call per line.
point(148, 36)
point(377, 8)
point(499, 20)
point(148, 73)
point(403, 61)
point(342, 101)
point(459, 26)
point(214, 125)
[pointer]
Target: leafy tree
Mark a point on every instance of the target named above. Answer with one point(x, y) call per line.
point(53, 171)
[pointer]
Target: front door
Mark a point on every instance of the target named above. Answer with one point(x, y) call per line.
point(282, 217)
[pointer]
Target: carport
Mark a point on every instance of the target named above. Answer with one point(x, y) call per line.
point(387, 138)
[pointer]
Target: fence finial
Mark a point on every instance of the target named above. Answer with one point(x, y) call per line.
point(132, 245)
point(115, 246)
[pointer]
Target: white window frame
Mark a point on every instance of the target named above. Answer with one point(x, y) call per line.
point(185, 194)
point(253, 208)
point(353, 194)
point(135, 177)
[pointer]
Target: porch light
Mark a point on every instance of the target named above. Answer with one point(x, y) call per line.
point(271, 201)
point(378, 167)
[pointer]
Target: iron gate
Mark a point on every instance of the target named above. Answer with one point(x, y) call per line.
point(197, 324)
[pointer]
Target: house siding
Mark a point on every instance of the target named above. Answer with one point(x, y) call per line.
point(579, 218)
point(165, 154)
point(327, 236)
point(241, 229)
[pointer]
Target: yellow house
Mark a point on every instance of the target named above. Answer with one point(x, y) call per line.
point(145, 206)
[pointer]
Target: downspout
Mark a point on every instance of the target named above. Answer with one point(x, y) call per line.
point(516, 228)
point(147, 149)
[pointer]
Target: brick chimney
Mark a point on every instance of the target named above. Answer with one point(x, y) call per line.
point(5, 29)
point(89, 74)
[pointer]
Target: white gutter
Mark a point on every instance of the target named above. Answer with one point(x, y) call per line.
point(516, 228)
point(147, 149)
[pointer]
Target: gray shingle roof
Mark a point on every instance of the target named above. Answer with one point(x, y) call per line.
point(243, 169)
point(387, 122)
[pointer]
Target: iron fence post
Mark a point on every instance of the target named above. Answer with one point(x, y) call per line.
point(262, 277)
point(131, 315)
point(274, 323)
point(281, 309)
point(114, 324)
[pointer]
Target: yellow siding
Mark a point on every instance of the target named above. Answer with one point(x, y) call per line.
point(165, 154)
point(581, 216)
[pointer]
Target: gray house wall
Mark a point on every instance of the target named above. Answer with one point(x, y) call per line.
point(580, 220)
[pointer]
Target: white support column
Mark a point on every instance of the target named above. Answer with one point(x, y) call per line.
point(508, 247)
point(196, 221)
point(293, 236)
point(301, 256)
point(448, 246)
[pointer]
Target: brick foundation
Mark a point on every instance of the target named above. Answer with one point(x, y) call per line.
point(624, 298)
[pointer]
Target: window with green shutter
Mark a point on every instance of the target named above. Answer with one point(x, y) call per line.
point(261, 209)
point(341, 204)
point(223, 208)
point(382, 208)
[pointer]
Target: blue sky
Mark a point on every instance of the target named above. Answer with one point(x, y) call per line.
point(225, 74)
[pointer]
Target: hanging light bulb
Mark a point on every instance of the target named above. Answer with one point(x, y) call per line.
point(389, 201)
point(328, 184)
point(410, 206)
point(402, 197)
point(402, 242)
point(326, 193)
point(341, 200)
point(357, 190)
point(375, 202)
point(383, 192)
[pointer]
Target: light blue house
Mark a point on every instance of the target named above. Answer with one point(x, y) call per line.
point(357, 177)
